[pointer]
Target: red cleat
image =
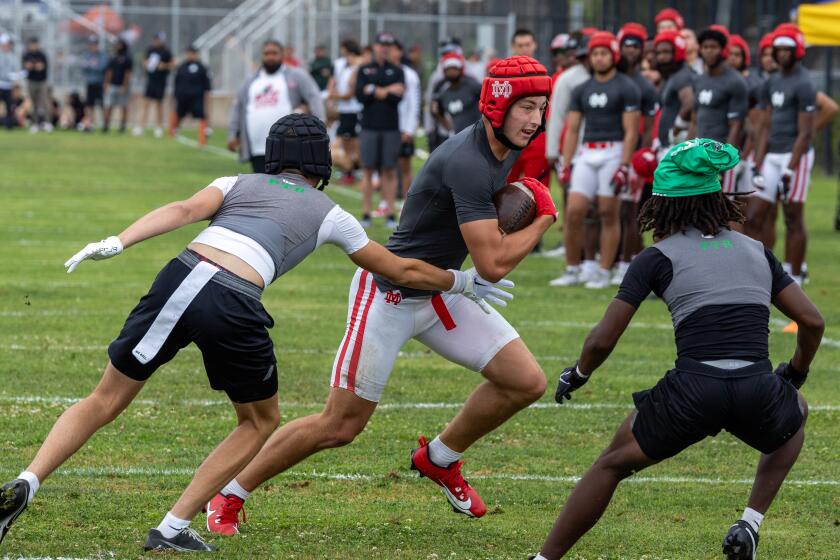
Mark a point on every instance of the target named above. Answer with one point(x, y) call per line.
point(458, 491)
point(223, 514)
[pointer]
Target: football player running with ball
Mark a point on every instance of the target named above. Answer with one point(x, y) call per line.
point(261, 226)
point(448, 214)
point(722, 378)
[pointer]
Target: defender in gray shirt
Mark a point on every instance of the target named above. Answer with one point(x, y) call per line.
point(210, 295)
point(718, 286)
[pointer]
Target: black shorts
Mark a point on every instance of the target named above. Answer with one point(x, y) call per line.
point(695, 400)
point(379, 149)
point(93, 95)
point(348, 125)
point(407, 149)
point(192, 105)
point(192, 300)
point(155, 88)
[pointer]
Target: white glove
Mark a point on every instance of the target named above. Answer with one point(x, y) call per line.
point(679, 132)
point(758, 180)
point(473, 286)
point(104, 249)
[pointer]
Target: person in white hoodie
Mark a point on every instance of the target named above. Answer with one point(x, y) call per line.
point(409, 110)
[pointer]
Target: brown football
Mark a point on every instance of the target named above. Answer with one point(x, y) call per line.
point(515, 206)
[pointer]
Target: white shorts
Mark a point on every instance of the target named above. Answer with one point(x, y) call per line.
point(594, 169)
point(771, 170)
point(380, 323)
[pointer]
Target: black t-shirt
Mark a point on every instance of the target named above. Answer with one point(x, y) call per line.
point(755, 83)
point(669, 99)
point(379, 114)
point(35, 58)
point(460, 102)
point(719, 99)
point(787, 95)
point(603, 105)
point(650, 97)
point(155, 58)
point(119, 65)
point(191, 79)
point(712, 332)
point(454, 187)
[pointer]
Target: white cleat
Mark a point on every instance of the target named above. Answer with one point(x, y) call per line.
point(571, 277)
point(137, 131)
point(557, 253)
point(599, 281)
point(158, 132)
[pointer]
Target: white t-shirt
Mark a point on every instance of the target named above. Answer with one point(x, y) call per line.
point(343, 77)
point(268, 100)
point(339, 228)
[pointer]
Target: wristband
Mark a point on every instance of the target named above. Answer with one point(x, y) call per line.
point(680, 122)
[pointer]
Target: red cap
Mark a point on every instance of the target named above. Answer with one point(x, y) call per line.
point(605, 39)
point(589, 31)
point(510, 79)
point(452, 60)
point(633, 29)
point(766, 41)
point(644, 163)
point(741, 43)
point(676, 40)
point(790, 31)
point(670, 14)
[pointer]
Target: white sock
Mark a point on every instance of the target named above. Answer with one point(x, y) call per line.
point(540, 557)
point(441, 455)
point(171, 525)
point(34, 484)
point(234, 488)
point(590, 265)
point(786, 266)
point(797, 278)
point(573, 268)
point(753, 518)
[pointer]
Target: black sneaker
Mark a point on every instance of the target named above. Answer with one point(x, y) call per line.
point(185, 541)
point(740, 542)
point(13, 496)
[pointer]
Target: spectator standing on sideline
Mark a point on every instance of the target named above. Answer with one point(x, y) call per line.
point(158, 63)
point(8, 76)
point(409, 110)
point(380, 86)
point(94, 63)
point(276, 90)
point(117, 80)
point(321, 67)
point(35, 65)
point(192, 85)
point(342, 90)
point(456, 104)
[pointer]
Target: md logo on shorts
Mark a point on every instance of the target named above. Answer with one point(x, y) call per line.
point(394, 297)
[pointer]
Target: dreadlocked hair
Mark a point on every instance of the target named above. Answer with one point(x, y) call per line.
point(709, 213)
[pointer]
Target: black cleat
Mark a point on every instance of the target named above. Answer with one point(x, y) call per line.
point(13, 498)
point(185, 541)
point(741, 542)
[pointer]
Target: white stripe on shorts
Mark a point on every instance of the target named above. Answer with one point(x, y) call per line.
point(156, 336)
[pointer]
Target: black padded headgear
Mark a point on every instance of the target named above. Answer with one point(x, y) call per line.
point(299, 141)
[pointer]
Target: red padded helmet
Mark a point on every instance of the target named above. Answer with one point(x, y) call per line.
point(605, 39)
point(670, 14)
point(738, 41)
point(676, 40)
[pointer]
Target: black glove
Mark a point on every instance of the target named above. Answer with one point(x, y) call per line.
point(570, 380)
point(789, 373)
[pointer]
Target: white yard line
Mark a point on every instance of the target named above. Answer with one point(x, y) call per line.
point(152, 471)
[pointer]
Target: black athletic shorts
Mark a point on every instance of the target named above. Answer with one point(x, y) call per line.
point(695, 400)
point(155, 88)
point(348, 125)
point(193, 300)
point(192, 105)
point(407, 149)
point(93, 95)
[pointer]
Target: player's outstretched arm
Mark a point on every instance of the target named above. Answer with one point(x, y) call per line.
point(411, 273)
point(201, 206)
point(793, 302)
point(598, 346)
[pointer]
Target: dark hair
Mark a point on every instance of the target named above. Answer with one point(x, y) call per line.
point(351, 46)
point(274, 42)
point(521, 32)
point(709, 213)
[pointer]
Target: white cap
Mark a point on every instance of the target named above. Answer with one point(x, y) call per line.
point(784, 42)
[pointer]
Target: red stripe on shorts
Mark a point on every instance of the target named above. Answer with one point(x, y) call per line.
point(442, 312)
point(356, 305)
point(360, 337)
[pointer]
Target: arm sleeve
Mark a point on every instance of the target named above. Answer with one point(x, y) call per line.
point(738, 101)
point(310, 94)
point(558, 105)
point(342, 229)
point(806, 96)
point(781, 279)
point(650, 271)
point(409, 107)
point(472, 191)
point(224, 184)
point(399, 79)
point(362, 82)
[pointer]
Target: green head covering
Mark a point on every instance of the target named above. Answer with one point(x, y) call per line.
point(693, 168)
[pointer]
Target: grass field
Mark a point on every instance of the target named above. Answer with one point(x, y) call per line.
point(62, 191)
